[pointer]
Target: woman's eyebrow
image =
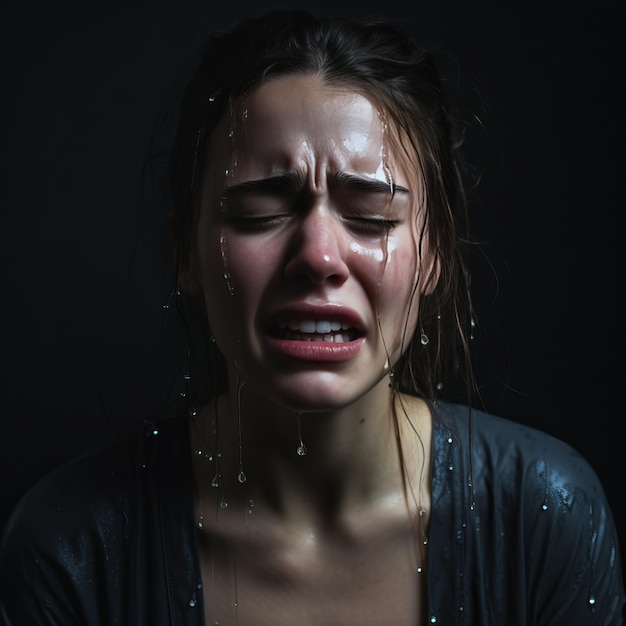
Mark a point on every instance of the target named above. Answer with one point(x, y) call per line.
point(368, 185)
point(293, 182)
point(290, 182)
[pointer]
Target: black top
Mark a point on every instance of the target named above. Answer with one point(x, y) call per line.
point(110, 538)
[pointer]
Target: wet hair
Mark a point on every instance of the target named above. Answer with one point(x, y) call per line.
point(383, 62)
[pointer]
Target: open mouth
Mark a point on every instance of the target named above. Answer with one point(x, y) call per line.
point(330, 331)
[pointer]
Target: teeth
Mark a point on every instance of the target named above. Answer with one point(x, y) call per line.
point(321, 327)
point(336, 338)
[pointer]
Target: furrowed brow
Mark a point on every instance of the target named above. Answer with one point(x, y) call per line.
point(368, 185)
point(288, 183)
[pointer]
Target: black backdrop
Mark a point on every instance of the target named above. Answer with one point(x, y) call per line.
point(85, 349)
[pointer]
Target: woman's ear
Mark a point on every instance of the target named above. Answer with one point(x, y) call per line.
point(188, 281)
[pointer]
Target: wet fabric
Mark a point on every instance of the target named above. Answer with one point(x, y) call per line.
point(523, 536)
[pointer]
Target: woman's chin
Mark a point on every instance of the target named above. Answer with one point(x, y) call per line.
point(311, 392)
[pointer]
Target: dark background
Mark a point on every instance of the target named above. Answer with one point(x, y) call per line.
point(86, 351)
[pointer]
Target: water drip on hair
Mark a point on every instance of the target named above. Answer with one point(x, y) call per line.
point(301, 449)
point(241, 476)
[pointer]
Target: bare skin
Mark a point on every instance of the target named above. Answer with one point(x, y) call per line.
point(310, 258)
point(318, 539)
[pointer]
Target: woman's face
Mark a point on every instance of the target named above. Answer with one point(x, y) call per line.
point(308, 263)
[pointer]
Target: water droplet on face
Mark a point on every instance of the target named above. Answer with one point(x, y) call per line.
point(223, 504)
point(419, 570)
point(424, 339)
point(301, 450)
point(241, 477)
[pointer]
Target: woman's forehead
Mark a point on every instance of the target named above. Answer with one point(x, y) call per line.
point(304, 123)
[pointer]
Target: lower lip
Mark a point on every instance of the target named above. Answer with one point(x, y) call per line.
point(320, 351)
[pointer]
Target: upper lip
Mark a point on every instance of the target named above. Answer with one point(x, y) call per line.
point(328, 311)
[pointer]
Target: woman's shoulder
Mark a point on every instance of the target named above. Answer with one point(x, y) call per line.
point(97, 489)
point(500, 444)
point(526, 492)
point(84, 526)
point(534, 472)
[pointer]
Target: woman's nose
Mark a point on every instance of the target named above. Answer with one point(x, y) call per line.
point(318, 250)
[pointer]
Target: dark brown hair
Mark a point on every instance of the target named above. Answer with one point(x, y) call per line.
point(383, 62)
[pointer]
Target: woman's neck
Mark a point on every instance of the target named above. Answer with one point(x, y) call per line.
point(355, 460)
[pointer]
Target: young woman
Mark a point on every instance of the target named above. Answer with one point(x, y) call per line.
point(320, 474)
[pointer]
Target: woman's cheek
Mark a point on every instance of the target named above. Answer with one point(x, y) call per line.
point(399, 293)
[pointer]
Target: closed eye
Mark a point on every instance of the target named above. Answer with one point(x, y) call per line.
point(373, 225)
point(253, 223)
